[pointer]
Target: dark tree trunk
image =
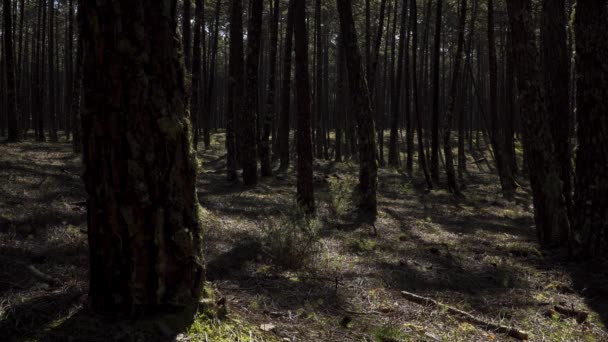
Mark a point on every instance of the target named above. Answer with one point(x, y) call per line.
point(305, 194)
point(187, 34)
point(197, 83)
point(361, 106)
point(76, 102)
point(590, 200)
point(550, 213)
point(14, 131)
point(248, 121)
point(270, 99)
point(556, 70)
point(144, 219)
point(51, 71)
point(235, 87)
point(435, 116)
point(206, 117)
point(393, 148)
point(286, 90)
point(340, 98)
point(507, 181)
point(447, 143)
point(416, 104)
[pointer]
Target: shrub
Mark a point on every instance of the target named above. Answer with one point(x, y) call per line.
point(292, 241)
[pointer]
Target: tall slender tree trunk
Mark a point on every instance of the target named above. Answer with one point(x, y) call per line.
point(590, 200)
point(51, 72)
point(14, 131)
point(416, 104)
point(211, 81)
point(144, 219)
point(270, 99)
point(361, 106)
point(248, 121)
point(393, 149)
point(447, 143)
point(286, 90)
point(196, 75)
point(236, 87)
point(76, 102)
point(507, 181)
point(435, 116)
point(550, 213)
point(305, 194)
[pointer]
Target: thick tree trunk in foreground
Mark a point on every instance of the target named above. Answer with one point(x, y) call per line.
point(14, 132)
point(447, 144)
point(144, 219)
point(361, 107)
point(550, 213)
point(590, 199)
point(305, 194)
point(556, 70)
point(248, 121)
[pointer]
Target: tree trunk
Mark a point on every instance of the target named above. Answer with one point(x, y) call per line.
point(197, 84)
point(447, 143)
point(550, 213)
point(286, 90)
point(507, 181)
point(206, 117)
point(590, 200)
point(144, 219)
point(556, 71)
point(416, 105)
point(435, 117)
point(248, 121)
point(361, 106)
point(270, 99)
point(14, 131)
point(305, 194)
point(235, 87)
point(393, 148)
point(51, 70)
point(76, 102)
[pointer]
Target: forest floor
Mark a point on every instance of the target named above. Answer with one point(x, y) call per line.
point(478, 254)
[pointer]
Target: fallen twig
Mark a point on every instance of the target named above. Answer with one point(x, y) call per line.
point(43, 276)
point(580, 316)
point(521, 335)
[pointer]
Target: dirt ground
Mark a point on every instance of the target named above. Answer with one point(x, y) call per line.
point(478, 255)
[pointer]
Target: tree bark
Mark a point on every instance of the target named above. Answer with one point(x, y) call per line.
point(248, 120)
point(447, 144)
point(507, 181)
point(435, 116)
point(236, 88)
point(590, 200)
point(361, 106)
point(270, 98)
point(550, 213)
point(144, 219)
point(393, 149)
point(14, 131)
point(556, 71)
point(286, 90)
point(305, 194)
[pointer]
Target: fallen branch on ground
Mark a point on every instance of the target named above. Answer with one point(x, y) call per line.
point(522, 335)
point(43, 276)
point(580, 316)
